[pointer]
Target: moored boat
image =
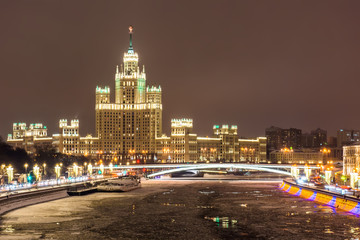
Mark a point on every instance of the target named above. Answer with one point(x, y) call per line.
point(122, 184)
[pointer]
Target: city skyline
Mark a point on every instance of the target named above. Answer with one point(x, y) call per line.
point(215, 69)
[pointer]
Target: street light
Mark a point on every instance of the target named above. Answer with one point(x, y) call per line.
point(36, 172)
point(26, 166)
point(44, 165)
point(89, 168)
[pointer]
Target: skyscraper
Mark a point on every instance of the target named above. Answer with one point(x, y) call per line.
point(132, 123)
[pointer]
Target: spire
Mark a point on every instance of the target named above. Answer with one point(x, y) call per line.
point(143, 69)
point(131, 50)
point(117, 68)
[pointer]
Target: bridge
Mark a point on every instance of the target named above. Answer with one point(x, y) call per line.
point(289, 170)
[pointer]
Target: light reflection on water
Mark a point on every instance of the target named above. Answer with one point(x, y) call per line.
point(223, 222)
point(174, 204)
point(206, 192)
point(7, 229)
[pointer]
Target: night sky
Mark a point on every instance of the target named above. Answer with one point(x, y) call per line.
point(249, 63)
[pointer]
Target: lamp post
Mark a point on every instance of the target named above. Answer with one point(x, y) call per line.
point(353, 179)
point(111, 167)
point(26, 166)
point(10, 173)
point(36, 171)
point(57, 171)
point(76, 170)
point(44, 165)
point(307, 171)
point(294, 171)
point(102, 169)
point(328, 175)
point(85, 163)
point(89, 168)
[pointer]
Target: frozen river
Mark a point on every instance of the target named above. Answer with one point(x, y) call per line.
point(182, 210)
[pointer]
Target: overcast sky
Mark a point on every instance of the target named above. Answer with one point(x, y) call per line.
point(249, 63)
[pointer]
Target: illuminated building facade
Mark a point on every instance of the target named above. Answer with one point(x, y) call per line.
point(29, 137)
point(290, 156)
point(351, 159)
point(184, 146)
point(134, 121)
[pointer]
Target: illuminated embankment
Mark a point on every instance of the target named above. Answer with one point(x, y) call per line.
point(346, 203)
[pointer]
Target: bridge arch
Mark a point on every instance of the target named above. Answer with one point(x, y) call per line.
point(221, 166)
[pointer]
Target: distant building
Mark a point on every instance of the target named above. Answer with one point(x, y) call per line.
point(290, 156)
point(332, 141)
point(29, 137)
point(278, 138)
point(307, 140)
point(320, 137)
point(315, 139)
point(225, 146)
point(347, 137)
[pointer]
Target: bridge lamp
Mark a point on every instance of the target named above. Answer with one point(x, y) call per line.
point(111, 167)
point(26, 166)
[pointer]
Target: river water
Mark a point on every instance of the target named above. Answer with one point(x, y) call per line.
point(182, 209)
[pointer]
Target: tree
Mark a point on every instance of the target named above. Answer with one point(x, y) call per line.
point(15, 157)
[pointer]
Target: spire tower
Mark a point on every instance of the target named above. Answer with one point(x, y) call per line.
point(131, 50)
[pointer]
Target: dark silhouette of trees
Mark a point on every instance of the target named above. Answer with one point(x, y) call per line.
point(16, 157)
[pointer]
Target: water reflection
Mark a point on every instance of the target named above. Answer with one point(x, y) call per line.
point(223, 222)
point(174, 204)
point(7, 228)
point(133, 209)
point(204, 206)
point(206, 192)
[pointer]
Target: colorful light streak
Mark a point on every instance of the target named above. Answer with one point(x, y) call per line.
point(337, 202)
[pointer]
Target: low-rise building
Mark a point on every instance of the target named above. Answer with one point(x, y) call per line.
point(291, 156)
point(184, 146)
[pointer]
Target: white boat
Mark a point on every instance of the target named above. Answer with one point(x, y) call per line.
point(122, 184)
